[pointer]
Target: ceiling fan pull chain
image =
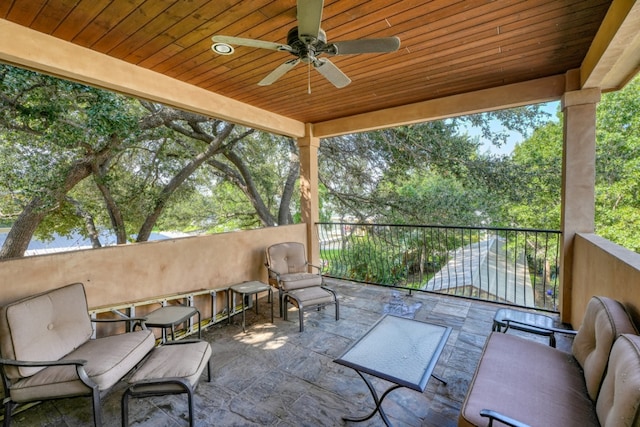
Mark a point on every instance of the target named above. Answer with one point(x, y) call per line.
point(308, 78)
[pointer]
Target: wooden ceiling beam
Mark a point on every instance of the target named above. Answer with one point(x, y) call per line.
point(614, 56)
point(508, 96)
point(27, 48)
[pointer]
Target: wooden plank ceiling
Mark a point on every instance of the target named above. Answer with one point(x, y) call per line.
point(447, 47)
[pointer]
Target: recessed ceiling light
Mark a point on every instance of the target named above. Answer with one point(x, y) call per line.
point(222, 48)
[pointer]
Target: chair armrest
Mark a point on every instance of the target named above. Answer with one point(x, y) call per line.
point(542, 328)
point(78, 363)
point(316, 267)
point(43, 363)
point(124, 319)
point(272, 273)
point(493, 415)
point(135, 321)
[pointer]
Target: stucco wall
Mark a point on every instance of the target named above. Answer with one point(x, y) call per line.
point(113, 275)
point(601, 267)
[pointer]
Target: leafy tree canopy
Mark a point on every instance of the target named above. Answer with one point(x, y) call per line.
point(79, 158)
point(617, 201)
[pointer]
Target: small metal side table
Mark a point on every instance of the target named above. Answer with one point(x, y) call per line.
point(534, 323)
point(248, 288)
point(169, 316)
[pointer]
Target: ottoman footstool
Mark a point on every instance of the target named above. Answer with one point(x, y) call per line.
point(173, 368)
point(308, 298)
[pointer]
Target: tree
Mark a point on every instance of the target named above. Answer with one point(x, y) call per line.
point(618, 166)
point(523, 120)
point(617, 200)
point(426, 173)
point(139, 154)
point(51, 143)
point(355, 168)
point(535, 200)
point(265, 168)
point(150, 164)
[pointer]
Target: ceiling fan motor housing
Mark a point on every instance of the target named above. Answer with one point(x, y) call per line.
point(307, 47)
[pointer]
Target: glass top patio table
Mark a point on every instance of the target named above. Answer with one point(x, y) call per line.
point(403, 351)
point(400, 350)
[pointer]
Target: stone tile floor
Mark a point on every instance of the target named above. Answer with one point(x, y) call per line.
point(272, 375)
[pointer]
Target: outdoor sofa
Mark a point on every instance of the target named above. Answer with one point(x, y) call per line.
point(522, 382)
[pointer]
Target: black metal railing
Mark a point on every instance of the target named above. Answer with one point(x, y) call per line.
point(513, 266)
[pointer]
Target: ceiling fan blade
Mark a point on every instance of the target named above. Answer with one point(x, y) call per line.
point(331, 73)
point(278, 72)
point(251, 43)
point(350, 47)
point(309, 18)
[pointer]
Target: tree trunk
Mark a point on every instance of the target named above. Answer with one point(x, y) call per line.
point(176, 181)
point(284, 210)
point(115, 214)
point(249, 188)
point(89, 223)
point(23, 228)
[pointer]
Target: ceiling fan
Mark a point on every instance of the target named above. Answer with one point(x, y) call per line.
point(307, 42)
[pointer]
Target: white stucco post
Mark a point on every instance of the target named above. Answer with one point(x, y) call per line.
point(309, 199)
point(578, 182)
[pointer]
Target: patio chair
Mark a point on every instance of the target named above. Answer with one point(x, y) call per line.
point(289, 270)
point(48, 351)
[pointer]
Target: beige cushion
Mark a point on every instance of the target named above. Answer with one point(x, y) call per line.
point(604, 320)
point(619, 398)
point(185, 360)
point(293, 281)
point(528, 381)
point(44, 327)
point(311, 296)
point(108, 360)
point(289, 257)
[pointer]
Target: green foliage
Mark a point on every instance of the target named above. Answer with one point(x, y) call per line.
point(372, 175)
point(618, 166)
point(430, 198)
point(368, 262)
point(422, 174)
point(48, 124)
point(535, 200)
point(617, 190)
point(522, 120)
point(62, 221)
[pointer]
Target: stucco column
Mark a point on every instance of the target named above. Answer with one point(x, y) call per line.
point(578, 182)
point(309, 201)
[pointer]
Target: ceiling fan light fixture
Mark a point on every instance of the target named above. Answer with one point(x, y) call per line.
point(222, 48)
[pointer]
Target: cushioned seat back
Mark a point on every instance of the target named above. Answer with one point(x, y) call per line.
point(619, 399)
point(287, 257)
point(44, 327)
point(604, 320)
